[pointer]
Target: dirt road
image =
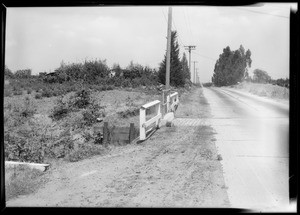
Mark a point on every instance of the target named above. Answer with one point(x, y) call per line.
point(176, 167)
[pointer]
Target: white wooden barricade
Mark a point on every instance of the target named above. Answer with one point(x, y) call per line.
point(172, 102)
point(39, 166)
point(143, 123)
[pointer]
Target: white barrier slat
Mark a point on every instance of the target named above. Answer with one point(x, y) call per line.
point(172, 101)
point(150, 104)
point(150, 121)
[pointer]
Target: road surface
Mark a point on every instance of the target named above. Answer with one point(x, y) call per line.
point(252, 137)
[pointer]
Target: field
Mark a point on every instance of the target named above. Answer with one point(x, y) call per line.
point(265, 90)
point(60, 129)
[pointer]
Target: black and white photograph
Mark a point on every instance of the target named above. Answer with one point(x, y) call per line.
point(148, 106)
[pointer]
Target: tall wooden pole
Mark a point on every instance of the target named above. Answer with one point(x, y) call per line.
point(169, 49)
point(189, 48)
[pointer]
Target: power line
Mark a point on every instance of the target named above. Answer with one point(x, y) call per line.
point(173, 21)
point(263, 13)
point(164, 15)
point(181, 43)
point(204, 56)
point(186, 24)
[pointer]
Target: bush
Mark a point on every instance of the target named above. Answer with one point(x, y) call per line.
point(18, 92)
point(61, 148)
point(126, 83)
point(82, 98)
point(47, 93)
point(29, 108)
point(7, 93)
point(60, 110)
point(38, 96)
point(29, 91)
point(92, 113)
point(207, 84)
point(17, 147)
point(131, 111)
point(89, 117)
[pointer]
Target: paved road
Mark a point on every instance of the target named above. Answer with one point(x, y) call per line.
point(252, 138)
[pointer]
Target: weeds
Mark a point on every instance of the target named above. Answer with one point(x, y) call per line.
point(21, 180)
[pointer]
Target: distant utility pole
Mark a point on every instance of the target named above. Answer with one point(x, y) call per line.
point(197, 75)
point(194, 76)
point(190, 48)
point(169, 49)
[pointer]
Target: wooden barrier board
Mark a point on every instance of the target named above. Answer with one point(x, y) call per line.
point(117, 135)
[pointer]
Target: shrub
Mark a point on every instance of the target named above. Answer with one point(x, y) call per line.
point(29, 108)
point(63, 147)
point(7, 93)
point(126, 83)
point(131, 111)
point(60, 110)
point(18, 92)
point(47, 93)
point(29, 91)
point(89, 117)
point(17, 147)
point(82, 98)
point(38, 96)
point(209, 84)
point(92, 113)
point(110, 87)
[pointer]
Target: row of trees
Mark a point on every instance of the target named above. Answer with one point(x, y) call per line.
point(261, 76)
point(23, 73)
point(97, 71)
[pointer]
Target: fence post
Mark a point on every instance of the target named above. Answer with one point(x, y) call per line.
point(105, 134)
point(131, 132)
point(142, 121)
point(157, 111)
point(168, 103)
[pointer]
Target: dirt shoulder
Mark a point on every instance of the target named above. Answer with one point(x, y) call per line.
point(176, 167)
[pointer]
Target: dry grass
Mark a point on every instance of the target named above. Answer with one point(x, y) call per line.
point(265, 90)
point(22, 180)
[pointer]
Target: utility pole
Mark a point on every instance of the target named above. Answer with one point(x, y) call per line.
point(169, 49)
point(197, 75)
point(190, 48)
point(194, 76)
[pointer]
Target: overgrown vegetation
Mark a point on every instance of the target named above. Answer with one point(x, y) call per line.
point(21, 180)
point(65, 131)
point(28, 139)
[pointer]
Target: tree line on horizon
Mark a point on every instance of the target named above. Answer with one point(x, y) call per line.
point(97, 72)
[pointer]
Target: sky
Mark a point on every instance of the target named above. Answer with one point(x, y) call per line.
point(41, 38)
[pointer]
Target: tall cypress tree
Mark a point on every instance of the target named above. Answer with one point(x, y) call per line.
point(185, 68)
point(177, 77)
